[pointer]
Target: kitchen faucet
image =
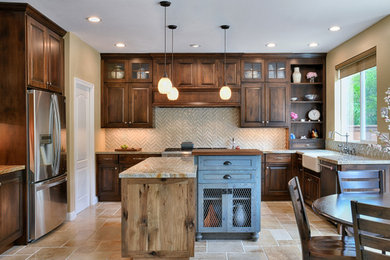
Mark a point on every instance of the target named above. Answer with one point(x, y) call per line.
point(344, 148)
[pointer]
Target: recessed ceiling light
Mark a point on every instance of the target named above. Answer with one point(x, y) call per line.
point(270, 44)
point(313, 44)
point(94, 19)
point(120, 45)
point(334, 28)
point(194, 45)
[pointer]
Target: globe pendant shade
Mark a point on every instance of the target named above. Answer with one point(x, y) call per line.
point(164, 85)
point(225, 93)
point(173, 94)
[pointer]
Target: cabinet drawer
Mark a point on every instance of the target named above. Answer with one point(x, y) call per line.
point(276, 158)
point(135, 158)
point(228, 162)
point(227, 176)
point(107, 158)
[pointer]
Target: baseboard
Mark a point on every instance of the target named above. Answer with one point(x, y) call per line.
point(94, 200)
point(70, 216)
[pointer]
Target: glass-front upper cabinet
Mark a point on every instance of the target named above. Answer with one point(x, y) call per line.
point(115, 70)
point(141, 70)
point(252, 70)
point(277, 70)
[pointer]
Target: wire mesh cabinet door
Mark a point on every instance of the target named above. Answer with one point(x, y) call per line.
point(212, 206)
point(243, 208)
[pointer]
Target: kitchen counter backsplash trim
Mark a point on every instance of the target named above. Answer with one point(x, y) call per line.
point(205, 127)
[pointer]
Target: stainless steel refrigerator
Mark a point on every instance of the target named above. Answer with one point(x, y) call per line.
point(47, 175)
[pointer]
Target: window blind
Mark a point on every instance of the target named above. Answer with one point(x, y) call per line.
point(357, 63)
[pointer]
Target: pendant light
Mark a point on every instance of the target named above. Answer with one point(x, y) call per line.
point(173, 94)
point(225, 92)
point(164, 84)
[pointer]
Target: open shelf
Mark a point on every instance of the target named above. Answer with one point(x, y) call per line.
point(307, 102)
point(306, 122)
point(306, 83)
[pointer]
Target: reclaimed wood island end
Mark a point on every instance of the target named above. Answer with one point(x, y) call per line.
point(158, 209)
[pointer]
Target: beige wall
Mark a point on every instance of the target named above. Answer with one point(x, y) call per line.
point(83, 62)
point(377, 35)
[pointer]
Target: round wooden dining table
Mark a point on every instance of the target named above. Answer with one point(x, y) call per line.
point(337, 207)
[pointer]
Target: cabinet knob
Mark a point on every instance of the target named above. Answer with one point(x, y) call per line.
point(126, 123)
point(267, 122)
point(50, 84)
point(263, 122)
point(227, 163)
point(47, 83)
point(267, 167)
point(116, 168)
point(130, 122)
point(227, 177)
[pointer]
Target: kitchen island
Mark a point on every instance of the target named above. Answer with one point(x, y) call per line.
point(158, 209)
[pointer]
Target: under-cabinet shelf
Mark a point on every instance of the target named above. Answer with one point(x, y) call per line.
point(307, 102)
point(306, 122)
point(212, 198)
point(306, 83)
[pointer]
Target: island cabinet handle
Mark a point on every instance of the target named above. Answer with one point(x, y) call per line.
point(227, 177)
point(326, 166)
point(227, 163)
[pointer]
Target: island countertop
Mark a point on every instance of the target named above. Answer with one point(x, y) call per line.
point(10, 168)
point(162, 167)
point(226, 152)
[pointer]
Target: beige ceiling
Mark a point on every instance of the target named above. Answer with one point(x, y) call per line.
point(291, 24)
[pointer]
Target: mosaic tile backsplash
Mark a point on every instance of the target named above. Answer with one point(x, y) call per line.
point(205, 127)
point(361, 149)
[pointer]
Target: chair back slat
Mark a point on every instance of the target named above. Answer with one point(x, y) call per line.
point(374, 227)
point(372, 242)
point(363, 181)
point(370, 231)
point(373, 211)
point(299, 209)
point(368, 255)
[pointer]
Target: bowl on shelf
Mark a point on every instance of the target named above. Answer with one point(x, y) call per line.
point(294, 99)
point(311, 97)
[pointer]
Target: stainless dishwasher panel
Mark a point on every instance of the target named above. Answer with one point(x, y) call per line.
point(49, 202)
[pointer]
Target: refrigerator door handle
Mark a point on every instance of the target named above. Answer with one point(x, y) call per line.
point(51, 183)
point(57, 146)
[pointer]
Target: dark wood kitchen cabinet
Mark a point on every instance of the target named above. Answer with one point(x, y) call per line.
point(311, 186)
point(277, 70)
point(11, 205)
point(127, 105)
point(45, 57)
point(277, 172)
point(264, 105)
point(108, 167)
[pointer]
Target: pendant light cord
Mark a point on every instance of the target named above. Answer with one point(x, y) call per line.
point(172, 57)
point(165, 42)
point(224, 76)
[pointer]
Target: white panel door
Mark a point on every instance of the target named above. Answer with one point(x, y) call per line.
point(83, 128)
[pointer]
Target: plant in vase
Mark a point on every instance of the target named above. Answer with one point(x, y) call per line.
point(293, 116)
point(311, 76)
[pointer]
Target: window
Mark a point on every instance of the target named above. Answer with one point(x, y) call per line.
point(356, 99)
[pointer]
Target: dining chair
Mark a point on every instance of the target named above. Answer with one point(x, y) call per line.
point(361, 181)
point(371, 225)
point(317, 247)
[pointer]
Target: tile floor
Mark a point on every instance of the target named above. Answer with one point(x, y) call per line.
point(95, 234)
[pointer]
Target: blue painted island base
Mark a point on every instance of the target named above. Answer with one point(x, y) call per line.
point(227, 236)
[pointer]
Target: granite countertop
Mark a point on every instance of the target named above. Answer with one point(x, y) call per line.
point(11, 168)
point(162, 167)
point(278, 151)
point(343, 159)
point(120, 152)
point(226, 152)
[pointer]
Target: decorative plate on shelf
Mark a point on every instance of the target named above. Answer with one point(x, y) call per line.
point(314, 114)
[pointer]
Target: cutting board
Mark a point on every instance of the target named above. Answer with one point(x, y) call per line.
point(128, 150)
